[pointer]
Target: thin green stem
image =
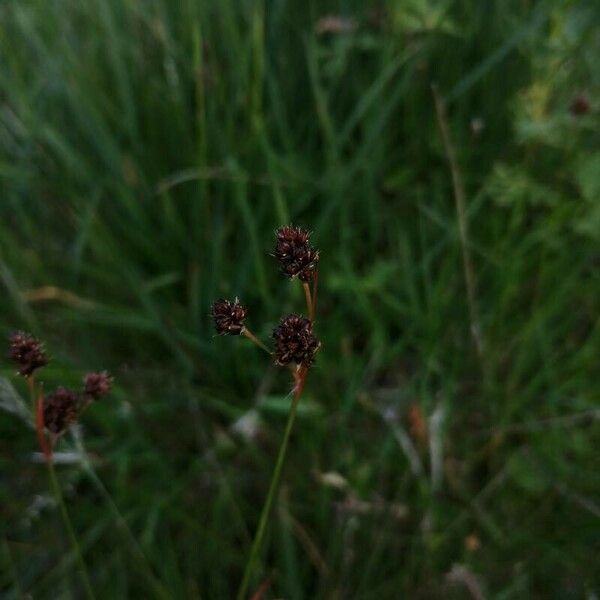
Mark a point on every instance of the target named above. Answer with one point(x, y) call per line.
point(247, 333)
point(266, 511)
point(54, 485)
point(309, 300)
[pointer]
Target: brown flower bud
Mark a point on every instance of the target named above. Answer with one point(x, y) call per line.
point(295, 254)
point(96, 385)
point(295, 341)
point(61, 409)
point(27, 351)
point(229, 316)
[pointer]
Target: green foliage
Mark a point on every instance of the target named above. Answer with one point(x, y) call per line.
point(148, 150)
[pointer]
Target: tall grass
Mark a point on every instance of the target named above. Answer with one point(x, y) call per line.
point(146, 148)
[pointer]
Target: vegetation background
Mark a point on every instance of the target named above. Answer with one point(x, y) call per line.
point(149, 149)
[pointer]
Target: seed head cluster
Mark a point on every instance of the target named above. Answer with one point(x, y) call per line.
point(27, 352)
point(295, 341)
point(61, 409)
point(97, 384)
point(295, 254)
point(229, 316)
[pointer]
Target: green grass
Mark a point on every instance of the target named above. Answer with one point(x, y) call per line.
point(149, 149)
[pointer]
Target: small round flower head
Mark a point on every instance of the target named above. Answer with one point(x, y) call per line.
point(27, 351)
point(61, 409)
point(295, 254)
point(96, 385)
point(295, 341)
point(229, 316)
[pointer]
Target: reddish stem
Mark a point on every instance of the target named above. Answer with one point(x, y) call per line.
point(300, 379)
point(264, 586)
point(39, 427)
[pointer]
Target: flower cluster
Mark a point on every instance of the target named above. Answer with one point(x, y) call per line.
point(96, 385)
point(62, 407)
point(295, 254)
point(294, 339)
point(229, 316)
point(27, 351)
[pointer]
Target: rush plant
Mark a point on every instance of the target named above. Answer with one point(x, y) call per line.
point(294, 347)
point(53, 414)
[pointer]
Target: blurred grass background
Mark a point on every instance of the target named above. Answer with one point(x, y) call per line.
point(149, 149)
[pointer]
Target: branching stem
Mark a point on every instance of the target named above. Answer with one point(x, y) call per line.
point(247, 333)
point(38, 416)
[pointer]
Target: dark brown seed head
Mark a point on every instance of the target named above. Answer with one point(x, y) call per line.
point(96, 385)
point(229, 316)
point(27, 351)
point(295, 254)
point(61, 409)
point(295, 341)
